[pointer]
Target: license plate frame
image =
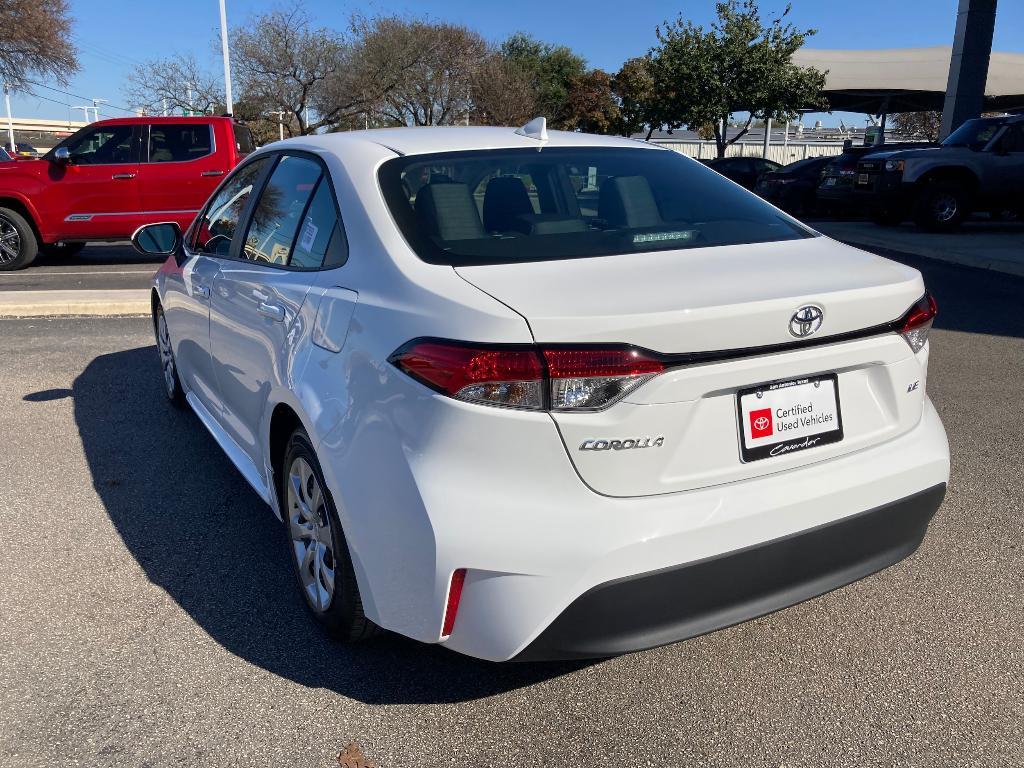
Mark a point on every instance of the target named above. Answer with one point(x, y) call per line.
point(863, 179)
point(789, 445)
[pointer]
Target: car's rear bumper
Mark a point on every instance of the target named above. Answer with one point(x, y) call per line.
point(672, 604)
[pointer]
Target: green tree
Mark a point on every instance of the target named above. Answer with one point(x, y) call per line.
point(633, 87)
point(550, 70)
point(740, 64)
point(591, 103)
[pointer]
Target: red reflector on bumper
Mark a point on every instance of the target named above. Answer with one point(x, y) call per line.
point(452, 606)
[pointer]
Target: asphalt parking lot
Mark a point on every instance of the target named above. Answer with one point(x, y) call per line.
point(99, 266)
point(147, 615)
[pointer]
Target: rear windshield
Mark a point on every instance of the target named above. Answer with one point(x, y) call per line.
point(243, 139)
point(503, 206)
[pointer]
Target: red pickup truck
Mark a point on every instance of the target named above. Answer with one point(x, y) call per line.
point(112, 177)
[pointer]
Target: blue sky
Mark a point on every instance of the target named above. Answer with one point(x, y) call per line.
point(604, 32)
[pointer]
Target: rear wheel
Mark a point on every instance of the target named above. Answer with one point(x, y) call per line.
point(319, 552)
point(941, 207)
point(18, 245)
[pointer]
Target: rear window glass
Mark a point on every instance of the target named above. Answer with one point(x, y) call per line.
point(244, 143)
point(497, 207)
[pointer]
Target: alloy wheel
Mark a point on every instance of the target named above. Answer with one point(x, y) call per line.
point(309, 524)
point(163, 343)
point(944, 207)
point(10, 241)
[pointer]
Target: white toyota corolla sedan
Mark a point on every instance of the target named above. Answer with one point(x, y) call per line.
point(548, 395)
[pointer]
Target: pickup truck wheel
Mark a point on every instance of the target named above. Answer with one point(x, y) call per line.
point(941, 207)
point(18, 245)
point(66, 250)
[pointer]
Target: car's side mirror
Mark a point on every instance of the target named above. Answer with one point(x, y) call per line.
point(157, 239)
point(62, 156)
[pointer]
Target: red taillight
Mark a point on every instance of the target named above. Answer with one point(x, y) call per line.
point(916, 323)
point(494, 375)
point(591, 379)
point(535, 378)
point(452, 606)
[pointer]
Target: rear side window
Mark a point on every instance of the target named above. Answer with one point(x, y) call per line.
point(278, 212)
point(320, 240)
point(503, 206)
point(244, 143)
point(216, 228)
point(179, 143)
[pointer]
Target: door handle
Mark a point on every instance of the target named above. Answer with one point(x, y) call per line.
point(273, 311)
point(202, 290)
point(212, 173)
point(123, 176)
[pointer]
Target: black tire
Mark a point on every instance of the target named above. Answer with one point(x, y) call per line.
point(18, 244)
point(941, 206)
point(887, 217)
point(62, 250)
point(343, 617)
point(168, 365)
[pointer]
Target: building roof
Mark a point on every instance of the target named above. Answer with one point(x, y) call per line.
point(911, 79)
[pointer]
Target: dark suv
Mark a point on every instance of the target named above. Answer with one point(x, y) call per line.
point(980, 167)
point(835, 189)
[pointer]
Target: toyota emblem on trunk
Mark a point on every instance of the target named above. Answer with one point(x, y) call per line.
point(806, 321)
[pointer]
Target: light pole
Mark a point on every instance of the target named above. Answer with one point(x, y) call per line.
point(96, 106)
point(10, 121)
point(85, 113)
point(227, 58)
point(280, 122)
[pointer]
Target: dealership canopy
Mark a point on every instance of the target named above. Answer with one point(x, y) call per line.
point(907, 79)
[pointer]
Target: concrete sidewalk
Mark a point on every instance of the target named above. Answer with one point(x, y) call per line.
point(110, 303)
point(995, 246)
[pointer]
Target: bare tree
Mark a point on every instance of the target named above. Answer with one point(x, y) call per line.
point(439, 64)
point(174, 84)
point(283, 62)
point(35, 41)
point(502, 93)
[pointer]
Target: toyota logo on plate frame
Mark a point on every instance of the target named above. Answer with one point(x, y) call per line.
point(806, 320)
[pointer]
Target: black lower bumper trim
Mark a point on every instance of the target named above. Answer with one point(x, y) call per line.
point(672, 604)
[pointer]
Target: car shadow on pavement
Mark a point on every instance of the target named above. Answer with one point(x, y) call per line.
point(203, 535)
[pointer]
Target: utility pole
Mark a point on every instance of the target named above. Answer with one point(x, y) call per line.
point(96, 106)
point(280, 122)
point(190, 110)
point(10, 121)
point(767, 137)
point(85, 113)
point(227, 57)
point(165, 107)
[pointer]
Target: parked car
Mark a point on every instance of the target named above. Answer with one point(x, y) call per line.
point(547, 426)
point(110, 178)
point(743, 170)
point(836, 188)
point(24, 149)
point(6, 156)
point(979, 167)
point(794, 187)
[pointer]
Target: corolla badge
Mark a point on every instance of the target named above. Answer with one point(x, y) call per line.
point(805, 321)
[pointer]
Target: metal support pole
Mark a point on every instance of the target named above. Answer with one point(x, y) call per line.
point(968, 66)
point(767, 138)
point(227, 57)
point(10, 120)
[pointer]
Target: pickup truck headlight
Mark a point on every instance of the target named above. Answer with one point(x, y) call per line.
point(894, 165)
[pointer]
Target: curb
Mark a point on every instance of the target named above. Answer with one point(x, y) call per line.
point(111, 303)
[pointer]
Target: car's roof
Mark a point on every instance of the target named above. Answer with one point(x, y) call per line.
point(160, 120)
point(433, 139)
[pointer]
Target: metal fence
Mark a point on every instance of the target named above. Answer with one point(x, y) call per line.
point(780, 153)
